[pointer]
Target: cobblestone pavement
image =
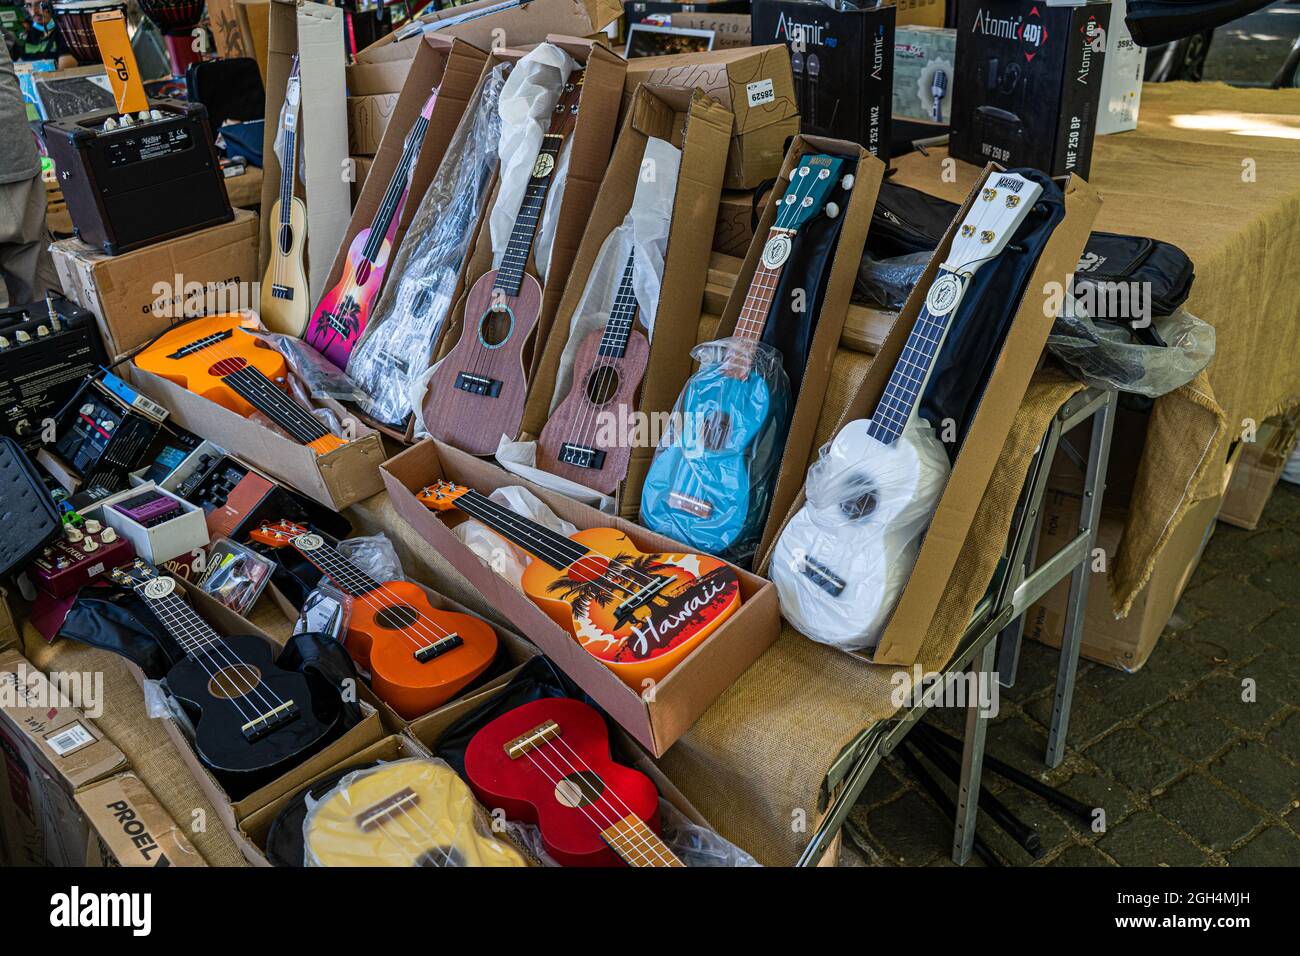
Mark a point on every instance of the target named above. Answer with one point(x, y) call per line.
point(1187, 772)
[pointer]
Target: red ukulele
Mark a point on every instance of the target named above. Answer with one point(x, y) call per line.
point(477, 392)
point(418, 657)
point(607, 371)
point(547, 762)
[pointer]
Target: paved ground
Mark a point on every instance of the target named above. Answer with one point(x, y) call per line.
point(1187, 772)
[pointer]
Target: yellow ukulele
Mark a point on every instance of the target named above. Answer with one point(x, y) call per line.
point(285, 305)
point(412, 812)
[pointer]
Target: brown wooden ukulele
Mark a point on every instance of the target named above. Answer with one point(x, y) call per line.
point(477, 392)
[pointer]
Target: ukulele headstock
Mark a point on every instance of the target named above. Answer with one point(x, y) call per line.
point(134, 575)
point(811, 183)
point(441, 495)
point(279, 534)
point(566, 108)
point(1002, 205)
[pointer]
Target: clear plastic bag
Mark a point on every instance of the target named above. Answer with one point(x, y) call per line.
point(413, 812)
point(326, 611)
point(841, 563)
point(498, 553)
point(710, 482)
point(236, 575)
point(373, 554)
point(888, 282)
point(395, 351)
point(1106, 354)
point(694, 845)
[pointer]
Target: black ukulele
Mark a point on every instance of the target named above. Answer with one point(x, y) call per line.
point(253, 720)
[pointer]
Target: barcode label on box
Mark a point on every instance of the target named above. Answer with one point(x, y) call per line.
point(70, 738)
point(760, 93)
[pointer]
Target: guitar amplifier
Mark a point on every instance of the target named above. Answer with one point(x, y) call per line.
point(129, 185)
point(46, 349)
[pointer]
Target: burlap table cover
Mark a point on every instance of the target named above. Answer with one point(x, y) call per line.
point(1216, 171)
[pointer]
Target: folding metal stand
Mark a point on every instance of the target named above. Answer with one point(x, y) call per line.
point(999, 615)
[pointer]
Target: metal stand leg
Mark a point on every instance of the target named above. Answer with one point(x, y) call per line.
point(972, 761)
point(1076, 605)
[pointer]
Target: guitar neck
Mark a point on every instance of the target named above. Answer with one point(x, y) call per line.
point(397, 188)
point(287, 173)
point(260, 392)
point(182, 622)
point(638, 845)
point(901, 398)
point(347, 577)
point(542, 543)
point(510, 274)
point(622, 315)
point(758, 301)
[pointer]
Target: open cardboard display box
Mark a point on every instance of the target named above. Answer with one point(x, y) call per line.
point(830, 323)
point(512, 653)
point(230, 811)
point(450, 66)
point(513, 26)
point(336, 480)
point(314, 31)
point(700, 128)
point(1022, 349)
point(662, 714)
point(589, 151)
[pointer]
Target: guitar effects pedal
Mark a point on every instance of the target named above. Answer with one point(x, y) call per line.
point(78, 558)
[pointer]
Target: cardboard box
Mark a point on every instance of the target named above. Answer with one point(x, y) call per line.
point(1123, 643)
point(129, 827)
point(920, 54)
point(679, 698)
point(315, 32)
point(904, 634)
point(1257, 468)
point(589, 153)
point(361, 166)
point(1121, 77)
point(336, 479)
point(254, 21)
point(139, 294)
point(453, 68)
point(843, 62)
point(228, 34)
point(735, 226)
point(226, 622)
point(925, 13)
point(755, 83)
point(830, 324)
point(50, 749)
point(1028, 80)
point(729, 29)
point(661, 113)
point(187, 532)
point(516, 24)
point(368, 117)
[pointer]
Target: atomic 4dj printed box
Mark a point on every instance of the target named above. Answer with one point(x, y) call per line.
point(843, 65)
point(1028, 83)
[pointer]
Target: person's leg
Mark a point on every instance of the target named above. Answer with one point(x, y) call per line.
point(26, 268)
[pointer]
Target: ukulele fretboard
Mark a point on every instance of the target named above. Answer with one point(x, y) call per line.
point(637, 844)
point(542, 543)
point(622, 315)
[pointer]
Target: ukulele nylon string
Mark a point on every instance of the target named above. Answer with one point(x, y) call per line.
point(175, 627)
point(600, 377)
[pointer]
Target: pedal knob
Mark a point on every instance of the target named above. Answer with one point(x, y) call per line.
point(848, 181)
point(72, 534)
point(832, 210)
point(93, 526)
point(109, 536)
point(89, 545)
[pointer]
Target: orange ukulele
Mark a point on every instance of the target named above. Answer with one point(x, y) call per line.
point(217, 358)
point(638, 614)
point(418, 657)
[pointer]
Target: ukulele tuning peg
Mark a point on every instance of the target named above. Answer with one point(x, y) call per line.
point(832, 210)
point(847, 182)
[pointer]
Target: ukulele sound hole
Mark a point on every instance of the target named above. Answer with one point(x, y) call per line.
point(286, 239)
point(397, 617)
point(495, 327)
point(579, 789)
point(602, 385)
point(441, 856)
point(861, 499)
point(235, 681)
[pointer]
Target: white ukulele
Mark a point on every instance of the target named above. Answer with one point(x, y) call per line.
point(841, 563)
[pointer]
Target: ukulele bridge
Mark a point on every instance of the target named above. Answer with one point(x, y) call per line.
point(532, 740)
point(478, 384)
point(822, 576)
point(259, 727)
point(689, 504)
point(581, 456)
point(380, 813)
point(198, 345)
point(639, 598)
point(282, 292)
point(429, 651)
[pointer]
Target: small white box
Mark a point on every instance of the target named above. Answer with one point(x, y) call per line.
point(1121, 78)
point(180, 535)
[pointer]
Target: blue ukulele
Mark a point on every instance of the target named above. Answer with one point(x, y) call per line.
point(710, 482)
